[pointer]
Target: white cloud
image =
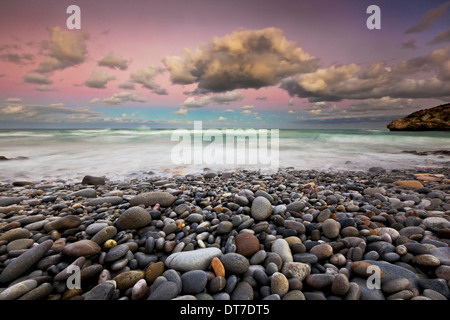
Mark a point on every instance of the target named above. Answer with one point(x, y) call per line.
point(113, 61)
point(98, 79)
point(119, 98)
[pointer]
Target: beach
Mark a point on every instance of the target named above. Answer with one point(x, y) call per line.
point(236, 234)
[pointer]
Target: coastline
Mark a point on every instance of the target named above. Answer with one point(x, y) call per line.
point(303, 234)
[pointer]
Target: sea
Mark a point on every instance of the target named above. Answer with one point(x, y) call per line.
point(69, 155)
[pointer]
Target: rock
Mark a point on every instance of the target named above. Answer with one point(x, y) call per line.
point(14, 234)
point(261, 208)
point(224, 227)
point(165, 291)
point(105, 234)
point(246, 244)
point(66, 222)
point(85, 193)
point(394, 234)
point(113, 200)
point(443, 272)
point(296, 206)
point(164, 199)
point(436, 118)
point(192, 260)
point(427, 260)
point(322, 251)
point(294, 295)
point(436, 223)
point(296, 270)
point(340, 285)
point(279, 284)
point(331, 228)
point(193, 281)
point(139, 290)
point(281, 247)
point(81, 248)
point(442, 253)
point(153, 271)
point(102, 291)
point(412, 184)
point(39, 293)
point(217, 284)
point(354, 292)
point(218, 267)
point(96, 181)
point(391, 271)
point(128, 279)
point(19, 244)
point(133, 218)
point(319, 281)
point(24, 262)
point(372, 191)
point(438, 285)
point(15, 291)
point(295, 225)
point(7, 201)
point(305, 258)
point(117, 252)
point(433, 295)
point(235, 263)
point(242, 291)
point(395, 285)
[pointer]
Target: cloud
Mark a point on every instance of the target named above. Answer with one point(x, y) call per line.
point(261, 98)
point(36, 78)
point(13, 100)
point(290, 111)
point(182, 111)
point(421, 77)
point(99, 78)
point(247, 107)
point(243, 59)
point(127, 85)
point(291, 102)
point(429, 18)
point(45, 87)
point(410, 44)
point(442, 37)
point(219, 99)
point(114, 61)
point(146, 77)
point(21, 59)
point(64, 49)
point(229, 110)
point(119, 98)
point(222, 118)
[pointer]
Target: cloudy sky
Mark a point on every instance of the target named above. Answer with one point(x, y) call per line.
point(235, 63)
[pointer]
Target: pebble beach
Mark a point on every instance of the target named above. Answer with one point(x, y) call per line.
point(232, 235)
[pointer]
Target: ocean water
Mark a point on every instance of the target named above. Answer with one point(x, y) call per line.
point(126, 154)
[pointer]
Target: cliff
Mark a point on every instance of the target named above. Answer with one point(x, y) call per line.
point(437, 118)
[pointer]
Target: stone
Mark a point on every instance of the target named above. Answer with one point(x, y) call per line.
point(296, 270)
point(217, 284)
point(95, 227)
point(117, 252)
point(81, 248)
point(218, 267)
point(164, 199)
point(391, 271)
point(279, 284)
point(66, 222)
point(7, 201)
point(246, 244)
point(84, 193)
point(412, 184)
point(372, 191)
point(224, 227)
point(394, 234)
point(443, 272)
point(281, 247)
point(294, 295)
point(19, 244)
point(112, 200)
point(438, 285)
point(193, 281)
point(340, 285)
point(128, 279)
point(242, 291)
point(443, 254)
point(258, 257)
point(261, 208)
point(331, 228)
point(102, 291)
point(354, 292)
point(15, 291)
point(322, 251)
point(105, 234)
point(153, 271)
point(96, 181)
point(395, 285)
point(305, 258)
point(296, 206)
point(319, 281)
point(24, 262)
point(14, 234)
point(295, 225)
point(433, 295)
point(367, 293)
point(436, 223)
point(165, 291)
point(416, 248)
point(427, 260)
point(133, 218)
point(199, 259)
point(235, 263)
point(39, 293)
point(139, 290)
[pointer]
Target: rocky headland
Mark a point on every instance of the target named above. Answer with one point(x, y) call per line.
point(437, 118)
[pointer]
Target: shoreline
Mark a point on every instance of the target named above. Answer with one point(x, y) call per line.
point(294, 234)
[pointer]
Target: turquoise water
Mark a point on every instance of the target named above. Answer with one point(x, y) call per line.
point(118, 154)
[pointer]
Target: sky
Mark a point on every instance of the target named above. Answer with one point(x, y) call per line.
point(237, 63)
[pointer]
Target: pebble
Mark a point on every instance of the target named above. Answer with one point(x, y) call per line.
point(319, 281)
point(192, 260)
point(81, 248)
point(331, 228)
point(165, 291)
point(243, 291)
point(14, 234)
point(296, 270)
point(427, 260)
point(133, 218)
point(279, 284)
point(128, 279)
point(18, 290)
point(218, 267)
point(153, 271)
point(116, 252)
point(235, 263)
point(246, 244)
point(102, 291)
point(395, 285)
point(322, 251)
point(261, 208)
point(193, 281)
point(281, 247)
point(113, 200)
point(164, 199)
